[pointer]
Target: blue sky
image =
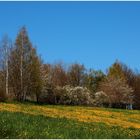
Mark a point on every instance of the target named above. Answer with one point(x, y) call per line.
point(92, 33)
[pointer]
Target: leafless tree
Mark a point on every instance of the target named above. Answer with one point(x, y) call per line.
point(4, 59)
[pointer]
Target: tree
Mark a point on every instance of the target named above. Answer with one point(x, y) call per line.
point(18, 63)
point(2, 85)
point(35, 86)
point(46, 76)
point(92, 80)
point(76, 75)
point(53, 76)
point(136, 86)
point(132, 79)
point(4, 66)
point(58, 75)
point(23, 64)
point(118, 92)
point(116, 86)
point(116, 70)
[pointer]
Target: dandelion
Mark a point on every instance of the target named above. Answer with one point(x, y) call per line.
point(82, 114)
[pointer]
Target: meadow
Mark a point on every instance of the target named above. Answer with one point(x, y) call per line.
point(29, 120)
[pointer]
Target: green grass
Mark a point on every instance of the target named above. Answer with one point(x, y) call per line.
point(24, 125)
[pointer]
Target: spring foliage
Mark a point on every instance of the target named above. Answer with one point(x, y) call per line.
point(23, 76)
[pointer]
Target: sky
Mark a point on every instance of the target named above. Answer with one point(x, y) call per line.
point(91, 33)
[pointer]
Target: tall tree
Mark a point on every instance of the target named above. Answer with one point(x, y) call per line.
point(4, 56)
point(36, 82)
point(23, 57)
point(18, 62)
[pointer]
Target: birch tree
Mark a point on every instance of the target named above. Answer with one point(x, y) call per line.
point(4, 60)
point(25, 66)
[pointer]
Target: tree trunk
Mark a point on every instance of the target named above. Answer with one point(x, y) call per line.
point(21, 70)
point(37, 98)
point(7, 72)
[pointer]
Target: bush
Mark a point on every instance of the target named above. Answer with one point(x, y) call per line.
point(101, 98)
point(67, 96)
point(50, 95)
point(47, 96)
point(74, 96)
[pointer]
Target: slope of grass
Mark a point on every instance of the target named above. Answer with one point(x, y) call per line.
point(45, 121)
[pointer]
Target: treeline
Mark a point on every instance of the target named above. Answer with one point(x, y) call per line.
point(23, 76)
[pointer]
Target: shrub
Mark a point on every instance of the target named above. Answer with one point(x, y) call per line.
point(101, 98)
point(67, 95)
point(75, 96)
point(47, 96)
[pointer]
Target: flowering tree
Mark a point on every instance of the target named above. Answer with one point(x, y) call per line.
point(75, 96)
point(100, 98)
point(118, 91)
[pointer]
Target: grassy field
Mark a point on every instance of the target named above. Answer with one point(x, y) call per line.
point(48, 121)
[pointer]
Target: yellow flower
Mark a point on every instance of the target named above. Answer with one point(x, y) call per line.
point(82, 114)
